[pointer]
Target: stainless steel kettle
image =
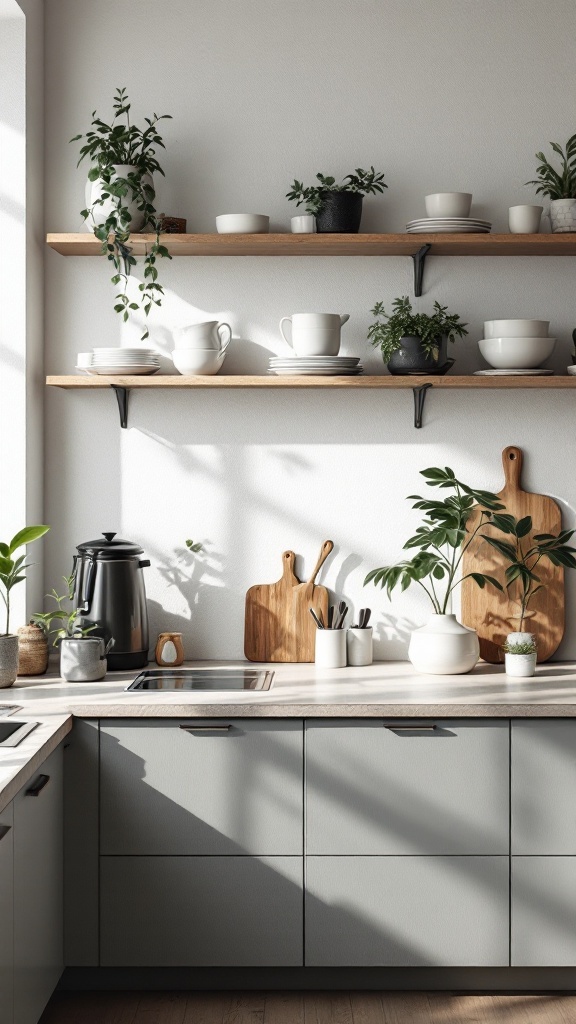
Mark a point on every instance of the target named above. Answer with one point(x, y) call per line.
point(109, 591)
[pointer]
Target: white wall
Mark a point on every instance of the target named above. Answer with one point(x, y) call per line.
point(441, 96)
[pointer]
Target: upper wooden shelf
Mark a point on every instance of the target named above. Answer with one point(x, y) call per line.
point(84, 244)
point(164, 381)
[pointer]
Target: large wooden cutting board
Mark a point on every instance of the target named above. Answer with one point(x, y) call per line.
point(492, 613)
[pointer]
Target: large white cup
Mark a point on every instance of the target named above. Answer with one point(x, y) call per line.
point(524, 220)
point(314, 334)
point(204, 336)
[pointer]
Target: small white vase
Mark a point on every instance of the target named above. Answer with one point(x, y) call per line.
point(8, 659)
point(520, 665)
point(359, 646)
point(444, 647)
point(100, 214)
point(563, 215)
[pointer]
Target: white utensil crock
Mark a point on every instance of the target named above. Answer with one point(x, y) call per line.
point(330, 651)
point(444, 647)
point(314, 334)
point(359, 646)
point(100, 214)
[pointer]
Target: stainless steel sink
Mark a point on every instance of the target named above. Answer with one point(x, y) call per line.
point(203, 679)
point(12, 733)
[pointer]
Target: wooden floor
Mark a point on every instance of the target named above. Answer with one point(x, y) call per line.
point(306, 1008)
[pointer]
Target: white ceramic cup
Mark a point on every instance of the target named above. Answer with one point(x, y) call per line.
point(448, 204)
point(314, 334)
point(359, 645)
point(194, 361)
point(524, 220)
point(304, 225)
point(330, 649)
point(203, 336)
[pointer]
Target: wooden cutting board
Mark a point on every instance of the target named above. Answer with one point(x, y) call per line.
point(490, 612)
point(278, 625)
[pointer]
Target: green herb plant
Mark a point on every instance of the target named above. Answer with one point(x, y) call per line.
point(68, 625)
point(441, 541)
point(106, 146)
point(314, 196)
point(557, 184)
point(13, 570)
point(388, 329)
point(527, 647)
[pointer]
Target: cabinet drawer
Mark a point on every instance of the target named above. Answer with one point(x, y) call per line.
point(377, 787)
point(407, 911)
point(543, 787)
point(201, 911)
point(543, 911)
point(195, 787)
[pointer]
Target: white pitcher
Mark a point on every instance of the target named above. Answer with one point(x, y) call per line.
point(314, 334)
point(204, 336)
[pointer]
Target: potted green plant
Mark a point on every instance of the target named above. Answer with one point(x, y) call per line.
point(337, 206)
point(120, 198)
point(443, 646)
point(559, 185)
point(414, 342)
point(520, 656)
point(82, 657)
point(12, 572)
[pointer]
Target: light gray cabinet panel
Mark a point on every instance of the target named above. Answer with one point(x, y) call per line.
point(406, 911)
point(81, 845)
point(377, 790)
point(172, 790)
point(201, 911)
point(543, 911)
point(38, 890)
point(6, 915)
point(544, 787)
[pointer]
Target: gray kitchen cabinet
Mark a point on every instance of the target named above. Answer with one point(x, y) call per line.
point(6, 914)
point(81, 845)
point(543, 770)
point(407, 911)
point(177, 787)
point(389, 787)
point(543, 912)
point(38, 890)
point(201, 911)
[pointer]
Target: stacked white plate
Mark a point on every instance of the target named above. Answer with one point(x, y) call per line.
point(315, 366)
point(450, 225)
point(124, 361)
point(513, 373)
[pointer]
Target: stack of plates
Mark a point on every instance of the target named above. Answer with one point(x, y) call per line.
point(124, 361)
point(316, 366)
point(513, 373)
point(454, 225)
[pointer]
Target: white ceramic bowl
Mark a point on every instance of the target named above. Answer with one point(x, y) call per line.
point(204, 362)
point(242, 224)
point(449, 204)
point(516, 353)
point(516, 328)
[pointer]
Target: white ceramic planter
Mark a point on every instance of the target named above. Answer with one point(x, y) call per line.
point(94, 190)
point(563, 215)
point(8, 659)
point(330, 651)
point(359, 646)
point(444, 647)
point(83, 659)
point(521, 666)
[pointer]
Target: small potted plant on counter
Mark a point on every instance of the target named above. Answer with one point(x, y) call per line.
point(559, 185)
point(13, 571)
point(443, 646)
point(520, 656)
point(120, 198)
point(414, 342)
point(337, 206)
point(82, 657)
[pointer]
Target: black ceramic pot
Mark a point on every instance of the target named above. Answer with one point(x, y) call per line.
point(341, 213)
point(411, 357)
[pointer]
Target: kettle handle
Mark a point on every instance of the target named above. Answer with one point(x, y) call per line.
point(85, 599)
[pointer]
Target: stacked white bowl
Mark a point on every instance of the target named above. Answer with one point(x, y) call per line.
point(516, 345)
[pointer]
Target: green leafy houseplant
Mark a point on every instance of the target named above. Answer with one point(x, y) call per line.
point(314, 196)
point(557, 184)
point(68, 625)
point(441, 541)
point(528, 647)
point(106, 147)
point(388, 329)
point(13, 570)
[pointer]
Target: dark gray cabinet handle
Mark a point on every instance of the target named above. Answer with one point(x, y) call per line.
point(4, 830)
point(38, 786)
point(205, 728)
point(411, 728)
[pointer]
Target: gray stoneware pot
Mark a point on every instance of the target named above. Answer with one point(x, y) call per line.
point(8, 659)
point(83, 658)
point(411, 357)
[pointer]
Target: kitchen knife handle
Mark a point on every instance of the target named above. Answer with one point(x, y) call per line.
point(205, 728)
point(38, 786)
point(411, 728)
point(4, 830)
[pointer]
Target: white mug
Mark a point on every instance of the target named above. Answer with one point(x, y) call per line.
point(204, 336)
point(304, 225)
point(524, 220)
point(314, 334)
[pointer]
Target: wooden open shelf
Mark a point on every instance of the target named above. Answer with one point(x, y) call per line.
point(163, 382)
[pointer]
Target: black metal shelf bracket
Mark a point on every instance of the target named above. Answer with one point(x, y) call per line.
point(419, 259)
point(122, 398)
point(419, 399)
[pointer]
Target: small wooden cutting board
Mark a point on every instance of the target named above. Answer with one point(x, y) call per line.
point(490, 612)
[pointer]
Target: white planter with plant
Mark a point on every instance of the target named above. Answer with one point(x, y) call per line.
point(337, 206)
point(82, 657)
point(12, 572)
point(520, 656)
point(443, 646)
point(414, 342)
point(559, 185)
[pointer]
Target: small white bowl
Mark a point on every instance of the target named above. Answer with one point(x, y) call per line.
point(195, 361)
point(242, 224)
point(449, 204)
point(516, 329)
point(516, 353)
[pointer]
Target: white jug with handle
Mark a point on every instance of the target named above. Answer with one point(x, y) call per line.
point(204, 336)
point(314, 334)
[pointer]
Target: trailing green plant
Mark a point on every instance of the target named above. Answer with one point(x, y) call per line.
point(557, 184)
point(526, 647)
point(194, 547)
point(106, 147)
point(523, 556)
point(314, 196)
point(441, 541)
point(13, 570)
point(388, 329)
point(69, 627)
